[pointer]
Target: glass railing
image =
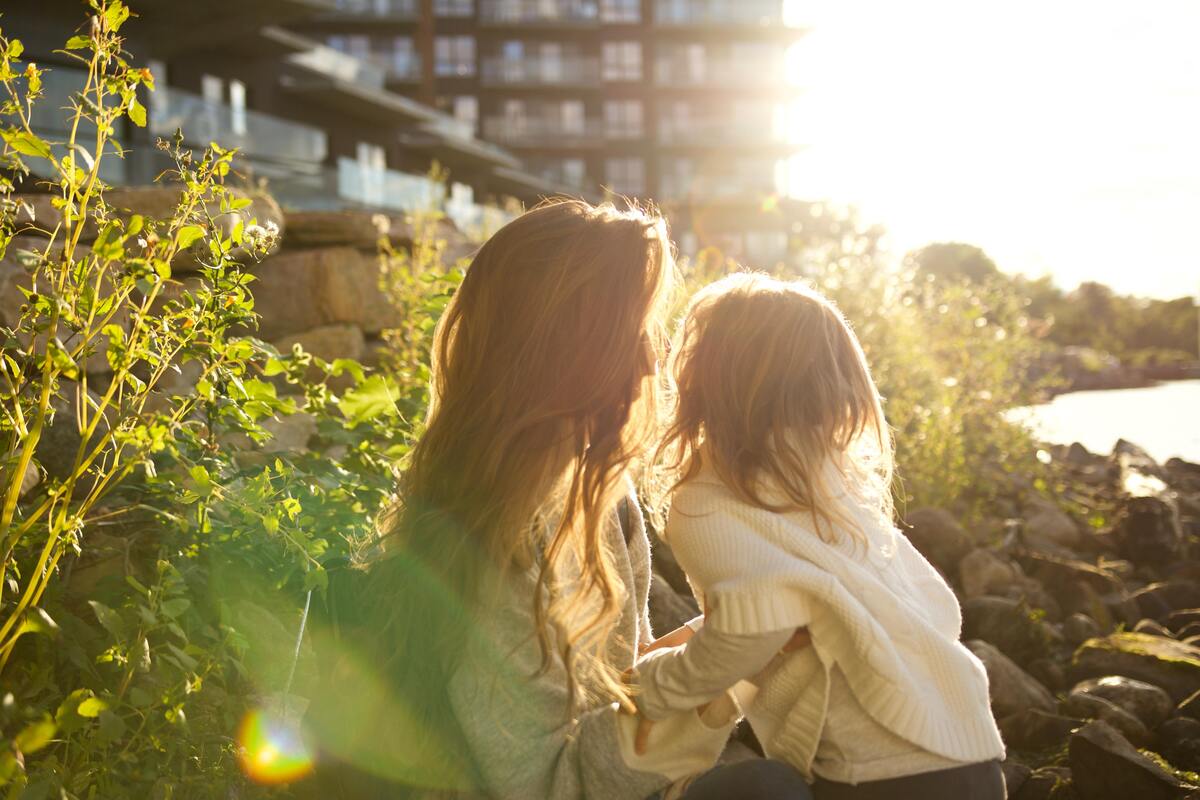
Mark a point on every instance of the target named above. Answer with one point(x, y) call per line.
point(541, 71)
point(556, 173)
point(758, 13)
point(725, 72)
point(539, 12)
point(51, 119)
point(716, 132)
point(384, 188)
point(534, 131)
point(254, 134)
point(379, 9)
point(341, 66)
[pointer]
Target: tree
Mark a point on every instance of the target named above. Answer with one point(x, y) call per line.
point(955, 261)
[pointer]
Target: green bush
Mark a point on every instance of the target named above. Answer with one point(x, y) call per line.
point(155, 577)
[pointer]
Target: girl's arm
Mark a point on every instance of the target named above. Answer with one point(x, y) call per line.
point(686, 677)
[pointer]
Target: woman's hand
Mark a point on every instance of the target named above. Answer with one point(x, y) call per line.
point(673, 639)
point(800, 640)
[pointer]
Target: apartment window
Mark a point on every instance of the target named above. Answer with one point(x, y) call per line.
point(616, 11)
point(466, 110)
point(574, 171)
point(625, 175)
point(623, 119)
point(675, 120)
point(677, 177)
point(572, 115)
point(454, 55)
point(403, 57)
point(212, 89)
point(551, 62)
point(370, 156)
point(355, 45)
point(622, 61)
point(453, 8)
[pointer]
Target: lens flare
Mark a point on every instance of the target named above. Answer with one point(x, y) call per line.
point(271, 749)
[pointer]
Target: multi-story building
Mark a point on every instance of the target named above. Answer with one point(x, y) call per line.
point(683, 102)
point(321, 128)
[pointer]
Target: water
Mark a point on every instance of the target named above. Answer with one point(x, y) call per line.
point(1164, 419)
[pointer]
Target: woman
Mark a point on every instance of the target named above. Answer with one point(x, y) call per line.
point(509, 596)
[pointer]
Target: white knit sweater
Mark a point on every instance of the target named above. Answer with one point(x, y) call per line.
point(880, 614)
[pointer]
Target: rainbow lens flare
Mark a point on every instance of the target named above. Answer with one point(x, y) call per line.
point(271, 749)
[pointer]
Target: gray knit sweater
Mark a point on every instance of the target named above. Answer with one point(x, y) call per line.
point(516, 722)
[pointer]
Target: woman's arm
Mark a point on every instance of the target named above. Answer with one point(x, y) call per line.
point(515, 721)
point(686, 677)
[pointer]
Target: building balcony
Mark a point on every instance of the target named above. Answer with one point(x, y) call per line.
point(718, 133)
point(384, 188)
point(543, 132)
point(719, 13)
point(257, 136)
point(728, 74)
point(541, 72)
point(548, 13)
point(383, 10)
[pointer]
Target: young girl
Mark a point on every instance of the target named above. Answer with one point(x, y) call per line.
point(781, 517)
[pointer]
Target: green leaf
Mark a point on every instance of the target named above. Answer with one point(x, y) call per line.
point(374, 397)
point(173, 608)
point(38, 621)
point(189, 235)
point(112, 727)
point(35, 736)
point(137, 114)
point(78, 42)
point(115, 16)
point(28, 144)
point(91, 707)
point(108, 618)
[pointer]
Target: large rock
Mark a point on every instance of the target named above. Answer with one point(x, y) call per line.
point(1089, 706)
point(1008, 624)
point(1159, 600)
point(1145, 701)
point(1033, 729)
point(1105, 766)
point(1011, 688)
point(1047, 524)
point(1078, 628)
point(1148, 531)
point(982, 572)
point(938, 536)
point(1044, 783)
point(358, 229)
point(1179, 743)
point(327, 342)
point(299, 290)
point(1166, 663)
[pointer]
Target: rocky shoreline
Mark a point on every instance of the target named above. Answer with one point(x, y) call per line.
point(1089, 626)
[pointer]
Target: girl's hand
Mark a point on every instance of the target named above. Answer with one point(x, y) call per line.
point(673, 639)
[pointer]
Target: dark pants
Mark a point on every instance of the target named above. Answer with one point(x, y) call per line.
point(983, 781)
point(752, 779)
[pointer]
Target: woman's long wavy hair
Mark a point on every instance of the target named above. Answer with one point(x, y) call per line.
point(771, 388)
point(543, 395)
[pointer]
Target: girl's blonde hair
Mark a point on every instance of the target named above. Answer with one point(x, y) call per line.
point(543, 394)
point(771, 388)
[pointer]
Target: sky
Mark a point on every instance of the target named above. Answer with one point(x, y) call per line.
point(1061, 136)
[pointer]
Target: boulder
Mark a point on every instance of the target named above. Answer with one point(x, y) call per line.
point(1171, 665)
point(1088, 706)
point(299, 290)
point(1008, 624)
point(1034, 729)
point(358, 229)
point(1179, 743)
point(665, 565)
point(327, 342)
point(668, 608)
point(1046, 523)
point(1159, 600)
point(938, 536)
point(1177, 620)
point(1105, 766)
point(1147, 531)
point(983, 572)
point(1015, 775)
point(1078, 628)
point(1011, 688)
point(1190, 706)
point(1044, 783)
point(1148, 703)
